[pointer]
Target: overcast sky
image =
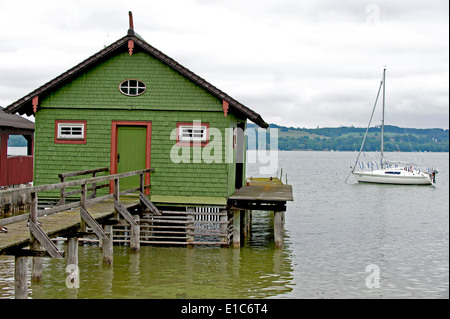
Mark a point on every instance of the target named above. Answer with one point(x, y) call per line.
point(301, 63)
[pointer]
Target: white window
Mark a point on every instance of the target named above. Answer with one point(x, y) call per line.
point(71, 131)
point(192, 134)
point(132, 87)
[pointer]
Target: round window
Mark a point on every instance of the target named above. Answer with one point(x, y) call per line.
point(132, 87)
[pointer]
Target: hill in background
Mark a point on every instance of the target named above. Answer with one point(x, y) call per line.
point(350, 139)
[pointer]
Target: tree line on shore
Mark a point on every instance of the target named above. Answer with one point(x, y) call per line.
point(341, 139)
point(350, 139)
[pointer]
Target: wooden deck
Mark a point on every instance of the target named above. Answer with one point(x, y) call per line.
point(262, 194)
point(59, 224)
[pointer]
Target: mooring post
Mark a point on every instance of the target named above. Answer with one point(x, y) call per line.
point(236, 228)
point(278, 228)
point(20, 278)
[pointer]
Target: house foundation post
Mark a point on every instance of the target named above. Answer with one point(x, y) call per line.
point(236, 228)
point(224, 229)
point(278, 228)
point(108, 246)
point(135, 232)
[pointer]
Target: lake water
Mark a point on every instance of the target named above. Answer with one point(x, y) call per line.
point(335, 231)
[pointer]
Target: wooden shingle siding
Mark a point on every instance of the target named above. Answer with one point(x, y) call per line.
point(166, 89)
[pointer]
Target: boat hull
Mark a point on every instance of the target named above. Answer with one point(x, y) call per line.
point(398, 177)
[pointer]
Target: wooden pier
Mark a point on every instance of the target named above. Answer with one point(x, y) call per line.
point(268, 194)
point(128, 217)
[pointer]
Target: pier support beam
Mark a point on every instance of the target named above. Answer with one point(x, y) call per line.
point(36, 266)
point(236, 228)
point(135, 232)
point(247, 220)
point(224, 229)
point(21, 278)
point(72, 251)
point(278, 228)
point(108, 246)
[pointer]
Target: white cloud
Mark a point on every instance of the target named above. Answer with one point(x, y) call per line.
point(298, 63)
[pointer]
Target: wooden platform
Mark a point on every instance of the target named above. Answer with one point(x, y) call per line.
point(262, 194)
point(59, 224)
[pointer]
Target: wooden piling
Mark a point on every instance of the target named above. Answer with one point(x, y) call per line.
point(21, 278)
point(72, 251)
point(135, 232)
point(36, 266)
point(236, 228)
point(108, 246)
point(223, 219)
point(278, 228)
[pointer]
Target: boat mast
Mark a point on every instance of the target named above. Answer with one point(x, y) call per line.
point(382, 117)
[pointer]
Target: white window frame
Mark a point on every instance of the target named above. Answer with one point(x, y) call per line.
point(139, 86)
point(70, 127)
point(182, 132)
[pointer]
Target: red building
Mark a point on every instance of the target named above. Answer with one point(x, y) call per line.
point(15, 169)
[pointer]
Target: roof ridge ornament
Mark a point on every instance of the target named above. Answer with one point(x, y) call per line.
point(131, 29)
point(131, 33)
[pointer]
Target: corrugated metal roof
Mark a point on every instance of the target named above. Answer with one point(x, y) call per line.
point(24, 105)
point(14, 121)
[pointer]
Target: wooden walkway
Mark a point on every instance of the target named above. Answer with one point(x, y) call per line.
point(29, 235)
point(268, 194)
point(59, 224)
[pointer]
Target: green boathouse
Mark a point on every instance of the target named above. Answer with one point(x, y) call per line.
point(131, 107)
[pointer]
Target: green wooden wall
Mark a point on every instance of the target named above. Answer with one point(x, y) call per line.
point(170, 98)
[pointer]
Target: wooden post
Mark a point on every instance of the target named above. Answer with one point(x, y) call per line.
point(190, 226)
point(141, 190)
point(36, 266)
point(21, 278)
point(278, 228)
point(135, 232)
point(83, 204)
point(72, 251)
point(116, 197)
point(224, 229)
point(62, 197)
point(36, 269)
point(246, 223)
point(236, 228)
point(108, 246)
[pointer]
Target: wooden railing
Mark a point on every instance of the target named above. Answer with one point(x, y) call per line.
point(39, 238)
point(64, 176)
point(84, 199)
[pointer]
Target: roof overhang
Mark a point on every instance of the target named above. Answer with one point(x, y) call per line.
point(25, 104)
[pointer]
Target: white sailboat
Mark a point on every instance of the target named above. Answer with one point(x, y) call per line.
point(389, 172)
